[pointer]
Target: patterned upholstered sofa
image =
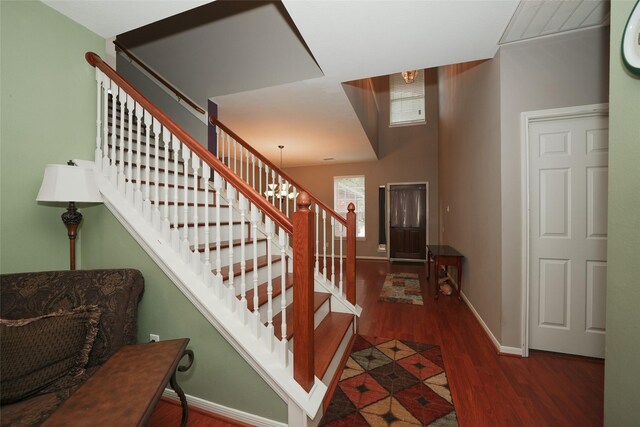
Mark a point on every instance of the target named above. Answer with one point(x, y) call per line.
point(57, 328)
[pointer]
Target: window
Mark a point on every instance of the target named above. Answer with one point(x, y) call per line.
point(406, 100)
point(349, 189)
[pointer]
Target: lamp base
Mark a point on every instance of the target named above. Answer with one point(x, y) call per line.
point(72, 218)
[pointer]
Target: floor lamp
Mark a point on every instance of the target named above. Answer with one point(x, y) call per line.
point(69, 183)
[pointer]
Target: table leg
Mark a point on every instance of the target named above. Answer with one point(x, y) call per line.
point(178, 390)
point(459, 268)
point(436, 277)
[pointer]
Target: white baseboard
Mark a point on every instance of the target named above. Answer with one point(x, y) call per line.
point(492, 337)
point(516, 351)
point(377, 258)
point(234, 414)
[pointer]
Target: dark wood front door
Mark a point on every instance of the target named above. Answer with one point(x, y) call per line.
point(407, 221)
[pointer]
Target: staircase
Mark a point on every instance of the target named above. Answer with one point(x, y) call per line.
point(248, 259)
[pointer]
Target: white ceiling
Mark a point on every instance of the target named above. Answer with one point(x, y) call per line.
point(108, 18)
point(349, 40)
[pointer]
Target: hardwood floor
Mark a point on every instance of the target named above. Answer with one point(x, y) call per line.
point(488, 389)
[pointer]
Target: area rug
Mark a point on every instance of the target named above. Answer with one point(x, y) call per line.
point(401, 287)
point(392, 382)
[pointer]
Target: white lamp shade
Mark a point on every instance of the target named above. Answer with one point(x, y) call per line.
point(62, 183)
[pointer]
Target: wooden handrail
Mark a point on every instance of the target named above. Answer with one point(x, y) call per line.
point(156, 76)
point(249, 192)
point(215, 121)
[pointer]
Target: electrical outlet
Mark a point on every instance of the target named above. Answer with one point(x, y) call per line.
point(154, 338)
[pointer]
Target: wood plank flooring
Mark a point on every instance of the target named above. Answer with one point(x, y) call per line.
point(546, 389)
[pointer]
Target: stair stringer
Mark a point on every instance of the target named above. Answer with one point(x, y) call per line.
point(213, 306)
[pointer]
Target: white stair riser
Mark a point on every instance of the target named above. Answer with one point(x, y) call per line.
point(172, 196)
point(318, 317)
point(237, 251)
point(224, 215)
point(224, 231)
point(262, 276)
point(277, 305)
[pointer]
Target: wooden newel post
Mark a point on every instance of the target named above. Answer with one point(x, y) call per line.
point(303, 250)
point(351, 254)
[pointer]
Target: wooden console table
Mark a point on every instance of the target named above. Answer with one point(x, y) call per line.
point(125, 390)
point(444, 255)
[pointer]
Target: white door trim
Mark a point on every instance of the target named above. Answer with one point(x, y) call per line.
point(526, 118)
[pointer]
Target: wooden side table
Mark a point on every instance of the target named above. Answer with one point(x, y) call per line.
point(444, 255)
point(126, 389)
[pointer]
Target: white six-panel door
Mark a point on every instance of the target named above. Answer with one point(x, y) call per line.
point(568, 178)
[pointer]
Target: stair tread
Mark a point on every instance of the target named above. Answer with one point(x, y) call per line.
point(262, 291)
point(236, 242)
point(328, 336)
point(319, 298)
point(237, 269)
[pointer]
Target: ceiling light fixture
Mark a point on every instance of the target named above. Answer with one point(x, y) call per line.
point(409, 76)
point(282, 192)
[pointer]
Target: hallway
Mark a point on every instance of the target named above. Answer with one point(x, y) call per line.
point(547, 389)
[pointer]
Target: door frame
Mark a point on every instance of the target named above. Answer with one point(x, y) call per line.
point(388, 222)
point(526, 118)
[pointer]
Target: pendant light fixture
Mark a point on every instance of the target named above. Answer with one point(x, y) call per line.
point(284, 191)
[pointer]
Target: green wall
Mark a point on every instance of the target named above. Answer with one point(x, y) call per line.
point(622, 371)
point(48, 116)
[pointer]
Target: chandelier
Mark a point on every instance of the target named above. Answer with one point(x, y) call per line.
point(283, 191)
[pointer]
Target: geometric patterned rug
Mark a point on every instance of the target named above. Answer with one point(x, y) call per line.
point(392, 382)
point(402, 288)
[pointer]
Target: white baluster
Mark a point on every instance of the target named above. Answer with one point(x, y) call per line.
point(253, 171)
point(156, 217)
point(242, 203)
point(206, 266)
point(175, 232)
point(324, 245)
point(235, 156)
point(341, 268)
point(99, 93)
point(146, 205)
point(220, 143)
point(244, 178)
point(333, 252)
point(317, 266)
point(137, 195)
point(247, 163)
point(231, 192)
point(124, 181)
point(195, 253)
point(166, 225)
point(266, 181)
point(280, 188)
point(118, 107)
point(273, 181)
point(106, 82)
point(260, 190)
point(255, 318)
point(269, 334)
point(284, 237)
point(184, 247)
point(295, 199)
point(217, 185)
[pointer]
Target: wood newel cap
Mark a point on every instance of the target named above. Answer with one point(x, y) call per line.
point(212, 120)
point(303, 201)
point(351, 207)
